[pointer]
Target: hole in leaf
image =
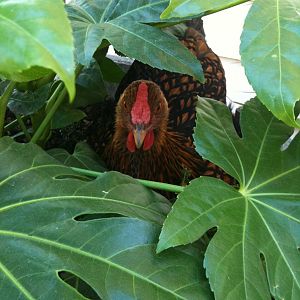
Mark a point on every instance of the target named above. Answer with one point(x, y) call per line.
point(88, 217)
point(79, 285)
point(264, 266)
point(263, 262)
point(236, 121)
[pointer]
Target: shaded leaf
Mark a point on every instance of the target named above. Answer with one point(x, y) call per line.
point(191, 8)
point(36, 36)
point(122, 24)
point(269, 55)
point(37, 83)
point(66, 116)
point(40, 234)
point(90, 87)
point(111, 71)
point(29, 102)
point(82, 157)
point(258, 225)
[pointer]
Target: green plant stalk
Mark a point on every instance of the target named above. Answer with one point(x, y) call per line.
point(23, 127)
point(54, 102)
point(151, 184)
point(49, 115)
point(54, 96)
point(3, 104)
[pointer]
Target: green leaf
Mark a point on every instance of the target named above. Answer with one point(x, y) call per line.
point(36, 36)
point(269, 55)
point(29, 102)
point(41, 234)
point(90, 87)
point(191, 8)
point(258, 226)
point(111, 71)
point(83, 157)
point(122, 23)
point(66, 116)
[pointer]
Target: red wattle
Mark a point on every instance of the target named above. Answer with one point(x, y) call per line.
point(148, 141)
point(130, 142)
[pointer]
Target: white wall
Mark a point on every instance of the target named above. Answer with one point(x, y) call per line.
point(223, 31)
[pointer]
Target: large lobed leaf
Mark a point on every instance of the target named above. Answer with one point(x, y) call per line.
point(43, 232)
point(270, 55)
point(192, 8)
point(36, 36)
point(122, 23)
point(255, 251)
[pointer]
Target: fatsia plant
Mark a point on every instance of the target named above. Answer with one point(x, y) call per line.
point(255, 251)
point(45, 32)
point(43, 232)
point(57, 222)
point(33, 46)
point(124, 24)
point(268, 51)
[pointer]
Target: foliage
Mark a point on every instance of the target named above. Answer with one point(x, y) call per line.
point(100, 251)
point(82, 157)
point(271, 60)
point(257, 224)
point(32, 41)
point(69, 231)
point(192, 8)
point(122, 23)
point(271, 31)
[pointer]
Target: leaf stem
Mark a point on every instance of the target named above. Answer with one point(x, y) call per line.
point(151, 184)
point(23, 127)
point(52, 110)
point(162, 186)
point(3, 104)
point(54, 96)
point(53, 104)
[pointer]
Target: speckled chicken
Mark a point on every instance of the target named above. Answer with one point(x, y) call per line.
point(155, 117)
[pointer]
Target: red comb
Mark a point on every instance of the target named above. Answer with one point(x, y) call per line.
point(140, 112)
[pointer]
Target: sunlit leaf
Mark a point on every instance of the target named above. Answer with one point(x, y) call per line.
point(36, 36)
point(192, 8)
point(270, 57)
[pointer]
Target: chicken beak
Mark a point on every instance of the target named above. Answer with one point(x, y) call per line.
point(139, 134)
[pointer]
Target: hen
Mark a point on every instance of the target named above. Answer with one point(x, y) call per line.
point(155, 117)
